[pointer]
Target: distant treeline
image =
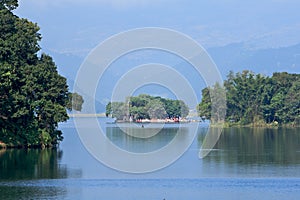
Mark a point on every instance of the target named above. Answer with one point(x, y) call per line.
point(147, 107)
point(257, 99)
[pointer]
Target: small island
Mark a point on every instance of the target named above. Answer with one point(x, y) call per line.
point(145, 108)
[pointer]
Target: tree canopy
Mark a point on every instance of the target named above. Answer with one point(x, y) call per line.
point(33, 96)
point(253, 98)
point(147, 107)
point(9, 4)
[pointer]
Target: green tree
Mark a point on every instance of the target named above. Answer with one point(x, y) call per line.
point(255, 99)
point(145, 106)
point(184, 109)
point(232, 113)
point(214, 111)
point(75, 102)
point(156, 109)
point(108, 109)
point(8, 4)
point(268, 100)
point(204, 107)
point(33, 96)
point(292, 104)
point(139, 112)
point(118, 110)
point(218, 106)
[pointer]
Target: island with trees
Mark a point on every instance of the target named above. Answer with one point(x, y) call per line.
point(257, 100)
point(34, 98)
point(145, 108)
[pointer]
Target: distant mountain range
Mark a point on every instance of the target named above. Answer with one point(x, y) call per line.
point(237, 57)
point(234, 57)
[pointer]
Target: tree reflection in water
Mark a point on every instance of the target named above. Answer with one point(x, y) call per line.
point(18, 164)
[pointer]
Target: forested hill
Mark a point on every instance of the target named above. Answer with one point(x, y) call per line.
point(256, 99)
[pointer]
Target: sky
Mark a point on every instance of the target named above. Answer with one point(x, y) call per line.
point(77, 26)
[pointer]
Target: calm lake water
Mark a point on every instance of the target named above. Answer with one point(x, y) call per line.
point(246, 163)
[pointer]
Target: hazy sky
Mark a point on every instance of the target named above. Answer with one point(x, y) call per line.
point(76, 26)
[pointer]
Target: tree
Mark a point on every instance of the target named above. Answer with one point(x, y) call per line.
point(33, 96)
point(204, 107)
point(232, 112)
point(145, 106)
point(118, 110)
point(139, 112)
point(8, 4)
point(218, 106)
point(156, 109)
point(184, 109)
point(75, 102)
point(292, 104)
point(214, 111)
point(255, 99)
point(108, 109)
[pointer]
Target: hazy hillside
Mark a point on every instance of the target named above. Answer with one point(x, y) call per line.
point(236, 57)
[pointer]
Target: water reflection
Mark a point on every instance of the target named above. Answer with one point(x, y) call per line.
point(143, 144)
point(18, 164)
point(24, 190)
point(257, 146)
point(33, 174)
point(230, 171)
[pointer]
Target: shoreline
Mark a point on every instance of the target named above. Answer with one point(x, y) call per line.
point(255, 125)
point(157, 121)
point(24, 146)
point(87, 115)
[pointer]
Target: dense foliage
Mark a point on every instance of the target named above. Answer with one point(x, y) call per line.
point(256, 99)
point(147, 107)
point(33, 96)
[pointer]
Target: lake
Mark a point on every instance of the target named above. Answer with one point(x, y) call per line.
point(246, 163)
